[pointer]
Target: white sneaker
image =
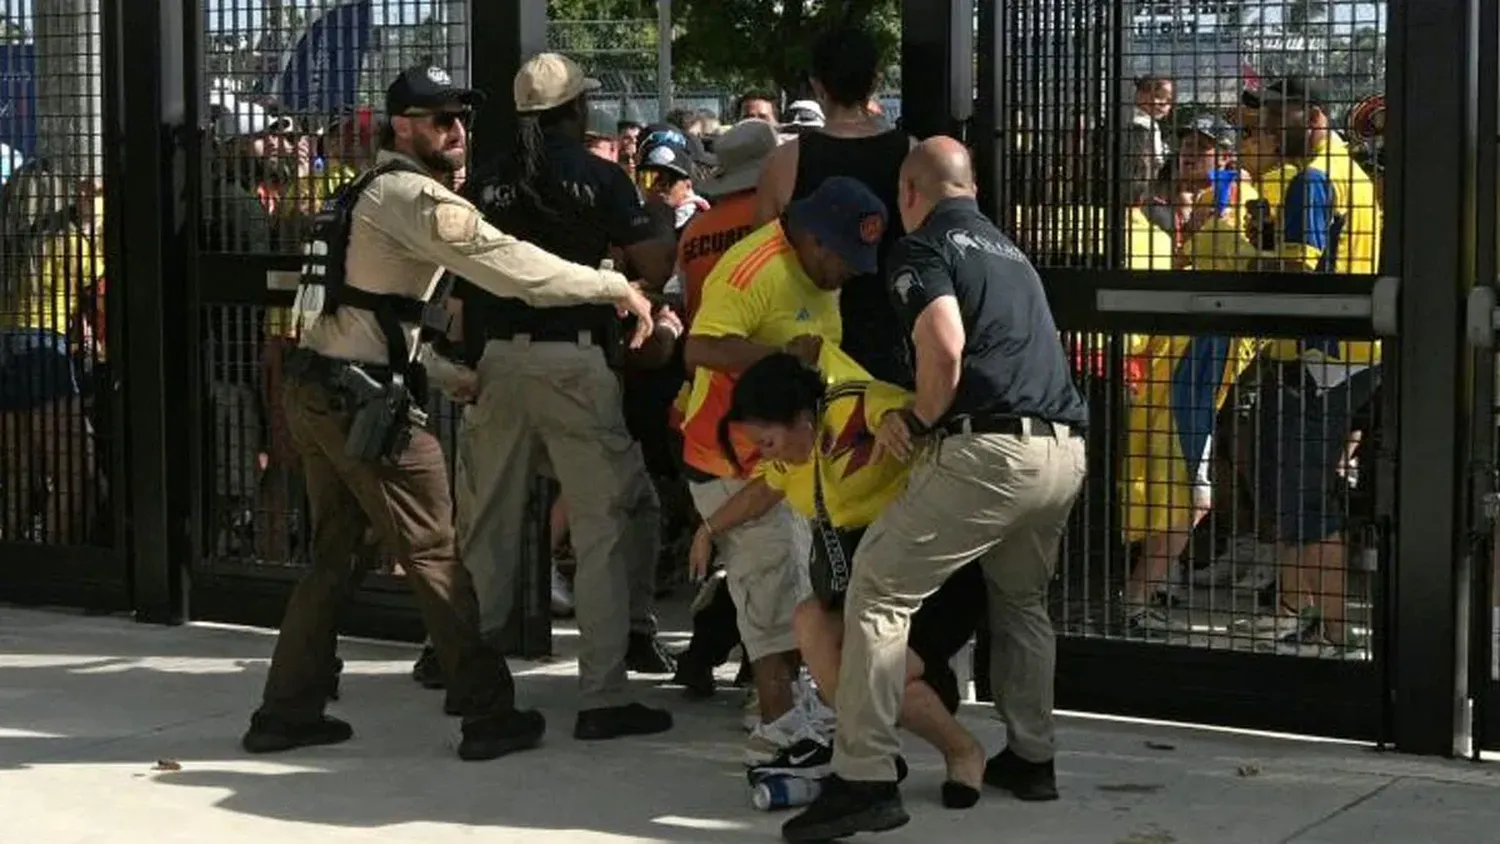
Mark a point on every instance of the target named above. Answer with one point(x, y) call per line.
point(767, 741)
point(562, 595)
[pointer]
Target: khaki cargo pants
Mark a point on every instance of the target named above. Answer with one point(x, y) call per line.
point(409, 506)
point(563, 399)
point(1003, 500)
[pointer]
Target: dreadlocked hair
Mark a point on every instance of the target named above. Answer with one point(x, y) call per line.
point(777, 390)
point(533, 174)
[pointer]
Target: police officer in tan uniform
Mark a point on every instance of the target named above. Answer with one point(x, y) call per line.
point(404, 227)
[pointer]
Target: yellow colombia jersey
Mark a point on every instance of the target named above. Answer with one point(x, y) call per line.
point(1220, 243)
point(1331, 186)
point(1170, 422)
point(49, 293)
point(856, 487)
point(757, 291)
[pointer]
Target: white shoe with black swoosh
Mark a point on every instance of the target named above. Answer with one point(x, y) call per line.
point(806, 758)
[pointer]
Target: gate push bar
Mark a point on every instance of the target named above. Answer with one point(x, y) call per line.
point(1379, 306)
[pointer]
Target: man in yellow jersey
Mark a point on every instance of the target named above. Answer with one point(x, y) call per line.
point(775, 290)
point(1319, 387)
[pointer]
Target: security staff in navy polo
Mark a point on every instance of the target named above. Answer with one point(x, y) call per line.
point(354, 411)
point(547, 387)
point(995, 437)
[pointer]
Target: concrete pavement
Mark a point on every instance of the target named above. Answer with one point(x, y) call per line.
point(89, 706)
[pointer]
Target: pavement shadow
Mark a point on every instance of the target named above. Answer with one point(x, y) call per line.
point(168, 705)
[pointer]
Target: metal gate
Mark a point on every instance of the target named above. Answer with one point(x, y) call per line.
point(61, 527)
point(1229, 561)
point(1483, 320)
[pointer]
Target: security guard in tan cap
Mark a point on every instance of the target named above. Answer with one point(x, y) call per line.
point(546, 386)
point(353, 397)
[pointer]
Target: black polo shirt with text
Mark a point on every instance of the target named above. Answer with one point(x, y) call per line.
point(1013, 360)
point(586, 204)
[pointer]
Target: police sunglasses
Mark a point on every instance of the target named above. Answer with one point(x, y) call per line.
point(442, 119)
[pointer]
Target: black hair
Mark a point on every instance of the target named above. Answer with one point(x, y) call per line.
point(533, 176)
point(777, 390)
point(755, 94)
point(846, 61)
point(1151, 82)
point(622, 125)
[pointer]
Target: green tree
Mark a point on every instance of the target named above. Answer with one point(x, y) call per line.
point(12, 32)
point(739, 44)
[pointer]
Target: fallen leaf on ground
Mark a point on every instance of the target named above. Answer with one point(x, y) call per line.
point(1148, 838)
point(1160, 745)
point(166, 765)
point(1248, 770)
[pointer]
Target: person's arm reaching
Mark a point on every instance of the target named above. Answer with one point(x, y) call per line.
point(445, 229)
point(630, 228)
point(923, 292)
point(753, 500)
point(727, 316)
point(778, 178)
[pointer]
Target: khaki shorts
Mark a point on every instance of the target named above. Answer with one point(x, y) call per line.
point(765, 563)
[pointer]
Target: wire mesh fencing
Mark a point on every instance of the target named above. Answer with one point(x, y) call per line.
point(1231, 501)
point(56, 412)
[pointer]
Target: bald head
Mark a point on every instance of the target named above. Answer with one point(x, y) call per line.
point(938, 168)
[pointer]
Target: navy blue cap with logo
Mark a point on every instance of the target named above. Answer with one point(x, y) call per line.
point(845, 217)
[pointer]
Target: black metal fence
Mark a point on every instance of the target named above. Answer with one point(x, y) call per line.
point(58, 386)
point(1270, 536)
point(1148, 162)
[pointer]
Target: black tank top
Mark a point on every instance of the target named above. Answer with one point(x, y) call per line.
point(872, 331)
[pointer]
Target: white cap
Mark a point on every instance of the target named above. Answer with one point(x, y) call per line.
point(804, 113)
point(234, 117)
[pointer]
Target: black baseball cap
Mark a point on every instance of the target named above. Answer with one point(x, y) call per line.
point(1214, 127)
point(426, 87)
point(845, 217)
point(670, 157)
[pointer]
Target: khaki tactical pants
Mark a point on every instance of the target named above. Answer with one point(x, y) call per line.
point(410, 509)
point(1003, 500)
point(564, 399)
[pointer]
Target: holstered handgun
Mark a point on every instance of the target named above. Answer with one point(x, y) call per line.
point(383, 415)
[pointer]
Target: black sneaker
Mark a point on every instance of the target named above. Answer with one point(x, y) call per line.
point(493, 736)
point(427, 671)
point(645, 655)
point(846, 807)
point(809, 759)
point(616, 721)
point(1031, 781)
point(695, 678)
point(273, 734)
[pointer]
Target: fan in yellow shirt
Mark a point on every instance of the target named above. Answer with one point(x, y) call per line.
point(814, 431)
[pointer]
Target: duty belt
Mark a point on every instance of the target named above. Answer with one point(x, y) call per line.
point(1017, 426)
point(307, 365)
point(581, 336)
